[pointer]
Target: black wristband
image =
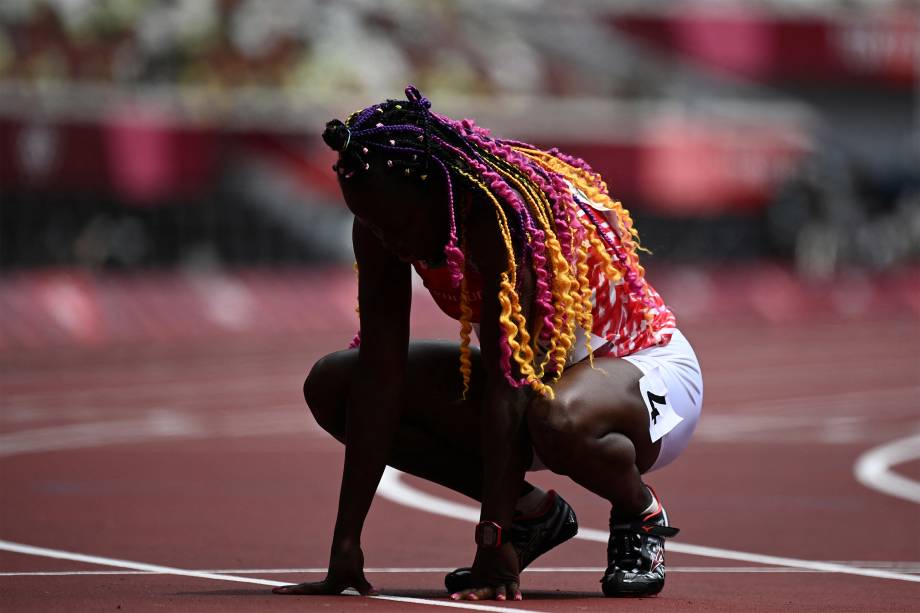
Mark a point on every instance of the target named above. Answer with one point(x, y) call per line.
point(488, 534)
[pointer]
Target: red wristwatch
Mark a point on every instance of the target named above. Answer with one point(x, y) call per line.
point(488, 534)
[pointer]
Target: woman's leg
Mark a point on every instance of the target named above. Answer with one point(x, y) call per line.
point(596, 432)
point(439, 436)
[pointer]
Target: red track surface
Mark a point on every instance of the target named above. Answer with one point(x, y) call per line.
point(204, 457)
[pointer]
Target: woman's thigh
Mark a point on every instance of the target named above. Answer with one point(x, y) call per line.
point(434, 390)
point(595, 402)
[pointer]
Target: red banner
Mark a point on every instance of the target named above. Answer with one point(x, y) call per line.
point(880, 47)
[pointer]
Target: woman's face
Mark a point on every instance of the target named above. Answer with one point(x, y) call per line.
point(408, 214)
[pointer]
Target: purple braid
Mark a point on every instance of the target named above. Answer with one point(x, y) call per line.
point(544, 296)
point(556, 190)
point(455, 258)
point(505, 193)
point(365, 114)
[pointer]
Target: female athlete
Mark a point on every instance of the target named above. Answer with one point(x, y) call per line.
point(579, 369)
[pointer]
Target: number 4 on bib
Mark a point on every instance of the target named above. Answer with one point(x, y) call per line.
point(661, 415)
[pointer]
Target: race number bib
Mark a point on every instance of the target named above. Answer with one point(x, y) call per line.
point(661, 416)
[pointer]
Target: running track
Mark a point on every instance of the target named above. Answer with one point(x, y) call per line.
point(191, 478)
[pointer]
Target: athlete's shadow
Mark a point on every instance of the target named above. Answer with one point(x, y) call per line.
point(528, 595)
point(237, 592)
point(425, 594)
point(554, 595)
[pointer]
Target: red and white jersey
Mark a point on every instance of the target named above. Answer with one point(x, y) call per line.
point(619, 315)
point(620, 325)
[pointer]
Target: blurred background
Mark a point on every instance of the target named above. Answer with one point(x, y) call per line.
point(162, 177)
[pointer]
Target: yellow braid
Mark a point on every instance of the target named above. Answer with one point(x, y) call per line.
point(609, 269)
point(563, 281)
point(511, 318)
point(592, 185)
point(571, 292)
point(587, 184)
point(585, 292)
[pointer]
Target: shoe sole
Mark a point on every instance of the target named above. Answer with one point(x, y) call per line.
point(612, 589)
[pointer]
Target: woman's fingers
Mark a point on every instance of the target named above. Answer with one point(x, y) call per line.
point(325, 588)
point(482, 593)
point(478, 593)
point(501, 592)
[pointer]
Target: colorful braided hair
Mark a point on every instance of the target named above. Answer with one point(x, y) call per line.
point(542, 224)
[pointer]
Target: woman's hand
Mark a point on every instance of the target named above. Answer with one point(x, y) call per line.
point(346, 570)
point(498, 572)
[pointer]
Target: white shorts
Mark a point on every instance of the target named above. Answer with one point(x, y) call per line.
point(672, 387)
point(675, 367)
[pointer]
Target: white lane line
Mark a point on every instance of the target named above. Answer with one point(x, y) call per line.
point(873, 468)
point(906, 567)
point(157, 425)
point(169, 570)
point(394, 488)
point(142, 566)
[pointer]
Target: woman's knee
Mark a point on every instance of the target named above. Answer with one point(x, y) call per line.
point(555, 432)
point(324, 390)
point(565, 428)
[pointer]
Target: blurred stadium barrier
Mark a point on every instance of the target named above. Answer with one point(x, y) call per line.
point(61, 309)
point(180, 140)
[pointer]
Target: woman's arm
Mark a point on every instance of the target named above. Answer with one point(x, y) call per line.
point(505, 442)
point(375, 399)
point(376, 395)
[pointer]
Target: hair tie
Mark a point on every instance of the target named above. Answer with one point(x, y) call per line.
point(337, 135)
point(413, 95)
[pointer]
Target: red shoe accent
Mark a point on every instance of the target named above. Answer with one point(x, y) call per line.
point(657, 502)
